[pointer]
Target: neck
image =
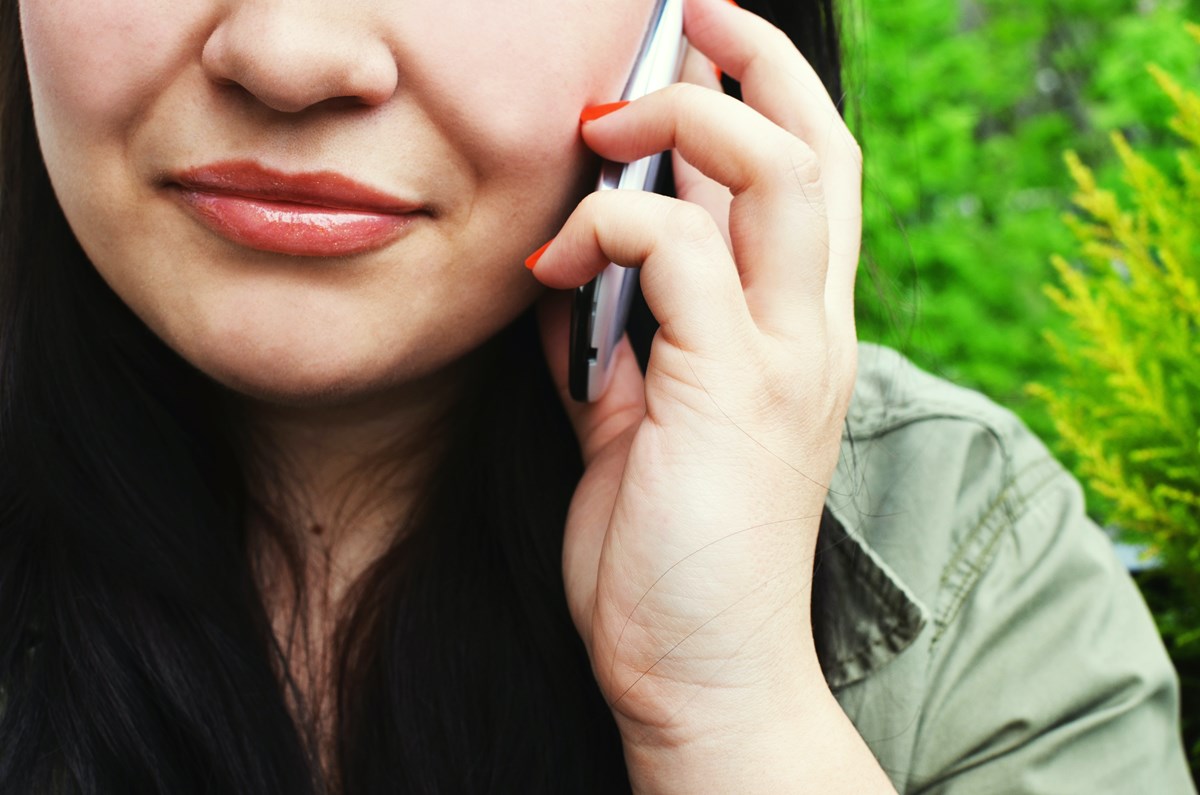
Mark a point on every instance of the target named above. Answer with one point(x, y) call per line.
point(337, 481)
point(331, 486)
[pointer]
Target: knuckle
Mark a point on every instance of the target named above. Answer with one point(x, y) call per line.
point(780, 388)
point(592, 205)
point(796, 169)
point(602, 211)
point(780, 375)
point(689, 225)
point(775, 49)
point(803, 164)
point(585, 212)
point(780, 46)
point(684, 93)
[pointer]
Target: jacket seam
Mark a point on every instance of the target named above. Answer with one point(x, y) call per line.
point(1010, 506)
point(896, 423)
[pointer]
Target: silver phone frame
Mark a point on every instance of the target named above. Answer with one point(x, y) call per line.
point(658, 64)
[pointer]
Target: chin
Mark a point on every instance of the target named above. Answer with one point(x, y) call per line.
point(325, 352)
point(321, 370)
point(296, 375)
point(297, 390)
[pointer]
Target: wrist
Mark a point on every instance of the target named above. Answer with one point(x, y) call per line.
point(796, 744)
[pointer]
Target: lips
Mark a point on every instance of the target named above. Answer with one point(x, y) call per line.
point(311, 214)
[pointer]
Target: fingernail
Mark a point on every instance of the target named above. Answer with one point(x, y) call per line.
point(596, 111)
point(717, 71)
point(533, 258)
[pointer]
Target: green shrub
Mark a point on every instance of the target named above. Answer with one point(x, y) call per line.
point(1126, 405)
point(963, 110)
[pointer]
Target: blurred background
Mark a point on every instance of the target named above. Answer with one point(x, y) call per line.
point(966, 110)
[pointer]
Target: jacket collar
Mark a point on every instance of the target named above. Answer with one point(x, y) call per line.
point(863, 614)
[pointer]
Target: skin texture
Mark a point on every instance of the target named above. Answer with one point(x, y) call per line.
point(689, 545)
point(300, 86)
point(334, 356)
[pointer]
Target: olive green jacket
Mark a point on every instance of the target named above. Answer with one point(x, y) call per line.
point(979, 629)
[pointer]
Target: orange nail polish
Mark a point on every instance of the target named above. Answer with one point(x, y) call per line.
point(596, 111)
point(533, 258)
point(717, 71)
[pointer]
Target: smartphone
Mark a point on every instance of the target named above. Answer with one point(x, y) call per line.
point(601, 306)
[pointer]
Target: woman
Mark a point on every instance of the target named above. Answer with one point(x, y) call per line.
point(291, 496)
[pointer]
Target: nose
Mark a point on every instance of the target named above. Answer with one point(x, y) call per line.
point(293, 55)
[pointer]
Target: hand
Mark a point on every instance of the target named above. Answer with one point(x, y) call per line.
point(690, 539)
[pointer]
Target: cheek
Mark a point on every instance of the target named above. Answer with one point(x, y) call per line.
point(94, 65)
point(512, 78)
point(96, 69)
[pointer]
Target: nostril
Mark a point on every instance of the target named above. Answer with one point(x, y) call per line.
point(289, 60)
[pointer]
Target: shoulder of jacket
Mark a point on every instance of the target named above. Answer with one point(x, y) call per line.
point(932, 478)
point(953, 432)
point(891, 392)
point(985, 535)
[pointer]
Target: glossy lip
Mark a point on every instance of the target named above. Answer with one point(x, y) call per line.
point(312, 214)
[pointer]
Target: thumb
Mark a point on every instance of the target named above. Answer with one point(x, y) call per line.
point(621, 406)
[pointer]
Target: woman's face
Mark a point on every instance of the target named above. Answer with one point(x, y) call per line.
point(312, 200)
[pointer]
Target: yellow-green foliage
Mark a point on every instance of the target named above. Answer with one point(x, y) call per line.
point(1127, 408)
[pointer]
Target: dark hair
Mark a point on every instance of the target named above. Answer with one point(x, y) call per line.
point(136, 654)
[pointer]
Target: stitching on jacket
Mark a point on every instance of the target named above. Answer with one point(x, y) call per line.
point(1010, 505)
